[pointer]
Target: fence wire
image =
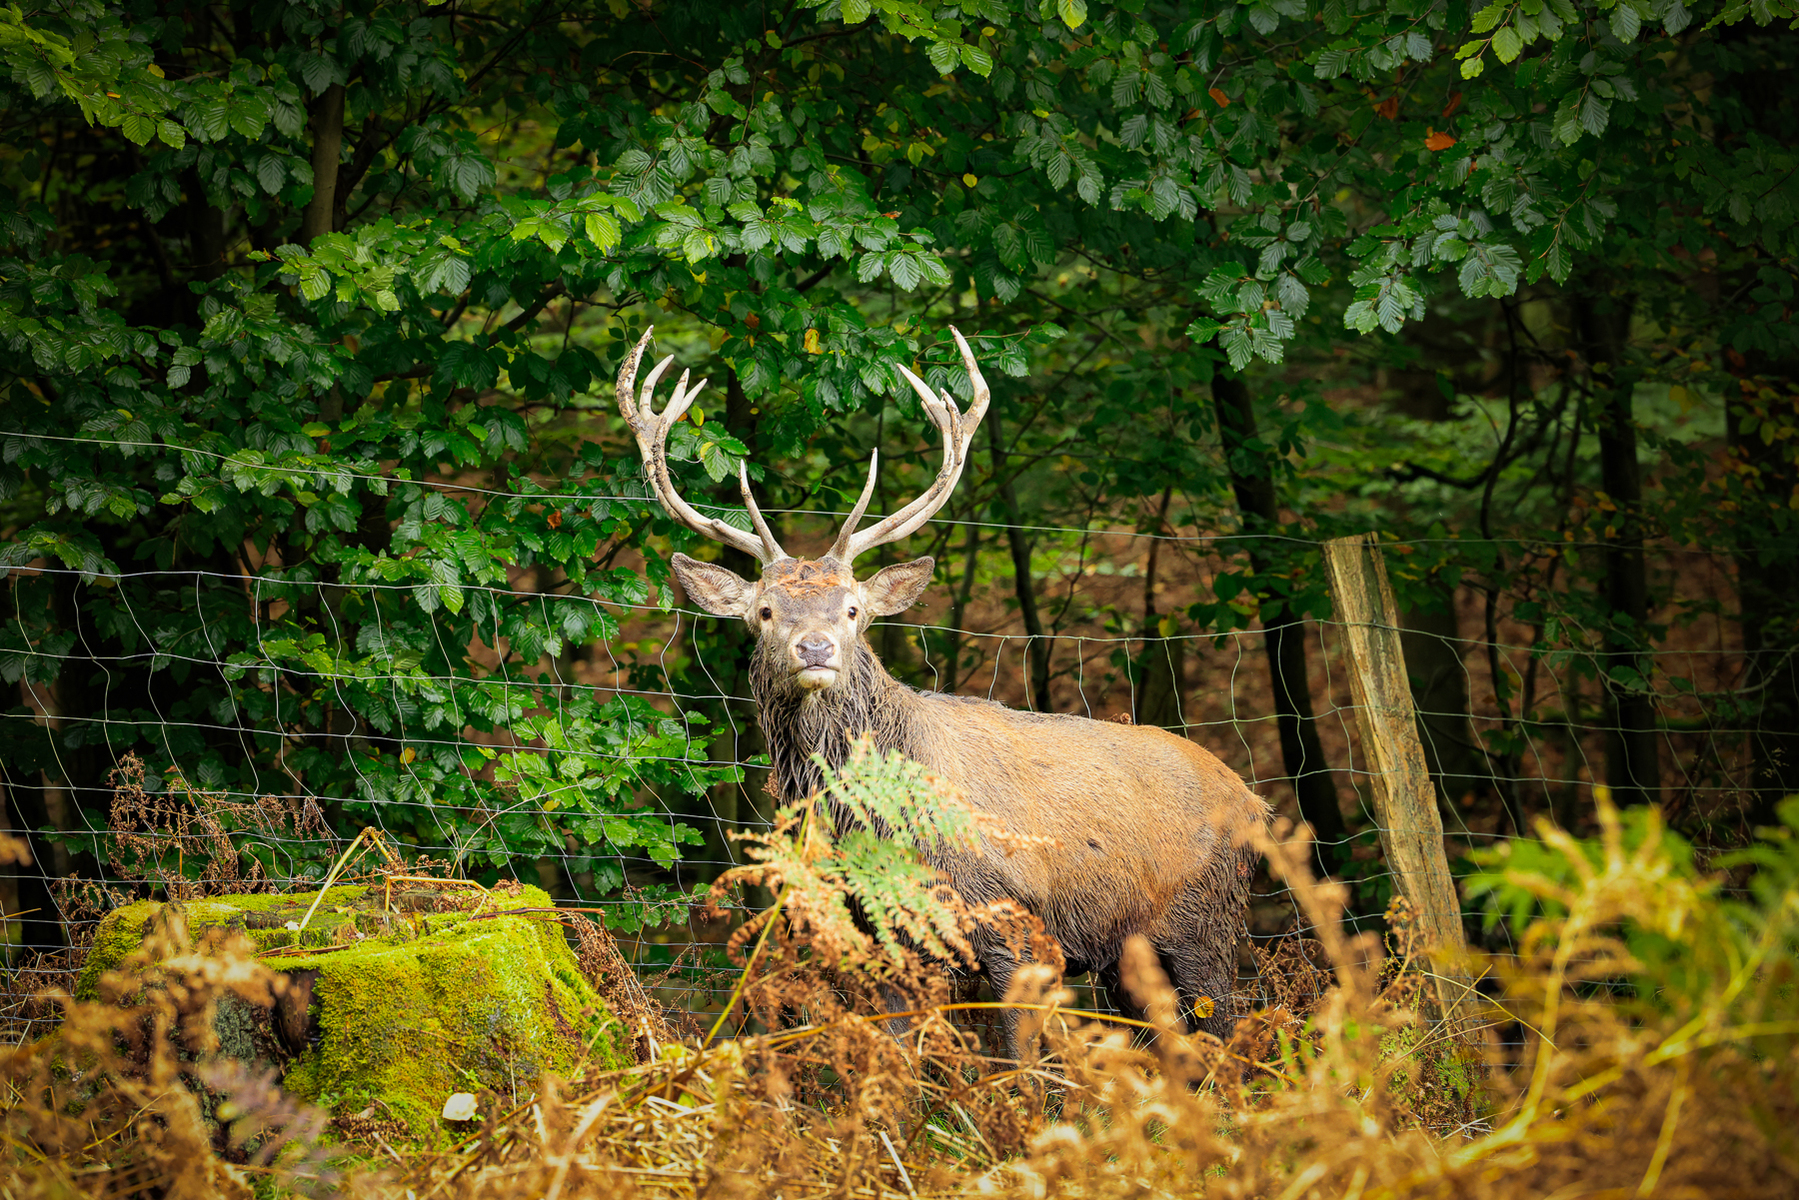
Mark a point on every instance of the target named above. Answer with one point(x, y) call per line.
point(1521, 721)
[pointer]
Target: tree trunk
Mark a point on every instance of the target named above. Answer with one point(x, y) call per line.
point(26, 887)
point(1162, 669)
point(1037, 648)
point(1768, 598)
point(1431, 640)
point(1283, 634)
point(1632, 766)
point(959, 596)
point(327, 148)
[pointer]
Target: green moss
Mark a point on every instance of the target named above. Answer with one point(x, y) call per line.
point(120, 933)
point(421, 1005)
point(1434, 1079)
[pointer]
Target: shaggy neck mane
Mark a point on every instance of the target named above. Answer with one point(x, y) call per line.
point(799, 724)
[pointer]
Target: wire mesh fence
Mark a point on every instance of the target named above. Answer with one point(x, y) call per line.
point(612, 769)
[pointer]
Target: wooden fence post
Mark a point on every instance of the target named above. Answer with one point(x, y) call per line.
point(1405, 804)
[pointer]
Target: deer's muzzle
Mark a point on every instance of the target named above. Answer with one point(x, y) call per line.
point(815, 656)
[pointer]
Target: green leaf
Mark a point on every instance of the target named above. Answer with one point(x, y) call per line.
point(1203, 329)
point(1490, 16)
point(1595, 114)
point(211, 118)
point(904, 270)
point(139, 127)
point(441, 271)
point(247, 115)
point(603, 231)
point(463, 364)
point(1626, 21)
point(1507, 45)
point(1072, 12)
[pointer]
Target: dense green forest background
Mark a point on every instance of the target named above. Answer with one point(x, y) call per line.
point(312, 486)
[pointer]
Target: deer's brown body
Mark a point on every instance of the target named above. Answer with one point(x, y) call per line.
point(1125, 829)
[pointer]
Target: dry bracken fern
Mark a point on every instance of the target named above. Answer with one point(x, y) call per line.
point(1655, 1019)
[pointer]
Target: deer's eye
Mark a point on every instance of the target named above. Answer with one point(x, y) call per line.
point(767, 613)
point(852, 612)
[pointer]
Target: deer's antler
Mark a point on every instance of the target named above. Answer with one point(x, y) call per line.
point(651, 432)
point(958, 435)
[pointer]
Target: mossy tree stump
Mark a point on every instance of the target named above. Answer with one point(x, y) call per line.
point(397, 1010)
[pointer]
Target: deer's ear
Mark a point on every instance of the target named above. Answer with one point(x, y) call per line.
point(719, 590)
point(895, 589)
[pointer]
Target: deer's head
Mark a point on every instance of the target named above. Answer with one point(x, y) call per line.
point(808, 615)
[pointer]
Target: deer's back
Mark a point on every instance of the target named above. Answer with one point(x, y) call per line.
point(1116, 820)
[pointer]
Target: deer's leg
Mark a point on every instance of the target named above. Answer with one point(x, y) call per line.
point(1202, 959)
point(1119, 997)
point(999, 965)
point(894, 1001)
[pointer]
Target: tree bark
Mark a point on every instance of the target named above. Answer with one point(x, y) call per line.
point(959, 596)
point(1037, 648)
point(27, 885)
point(1283, 634)
point(1768, 600)
point(327, 148)
point(1432, 642)
point(1162, 668)
point(1633, 770)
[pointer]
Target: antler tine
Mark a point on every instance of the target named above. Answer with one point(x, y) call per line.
point(977, 403)
point(772, 547)
point(841, 546)
point(651, 432)
point(958, 436)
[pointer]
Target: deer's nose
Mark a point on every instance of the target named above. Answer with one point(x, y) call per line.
point(815, 650)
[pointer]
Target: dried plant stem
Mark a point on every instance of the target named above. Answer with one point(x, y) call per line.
point(1664, 1142)
point(748, 967)
point(904, 1175)
point(332, 878)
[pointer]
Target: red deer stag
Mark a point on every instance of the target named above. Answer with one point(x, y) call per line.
point(1128, 829)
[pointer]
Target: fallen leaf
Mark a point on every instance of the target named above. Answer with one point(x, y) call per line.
point(1217, 94)
point(1437, 141)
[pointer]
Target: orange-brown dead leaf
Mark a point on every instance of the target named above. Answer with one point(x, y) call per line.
point(555, 518)
point(1455, 102)
point(1217, 94)
point(1388, 108)
point(1437, 141)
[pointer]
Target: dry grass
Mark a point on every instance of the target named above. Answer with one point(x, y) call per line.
point(1658, 1017)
